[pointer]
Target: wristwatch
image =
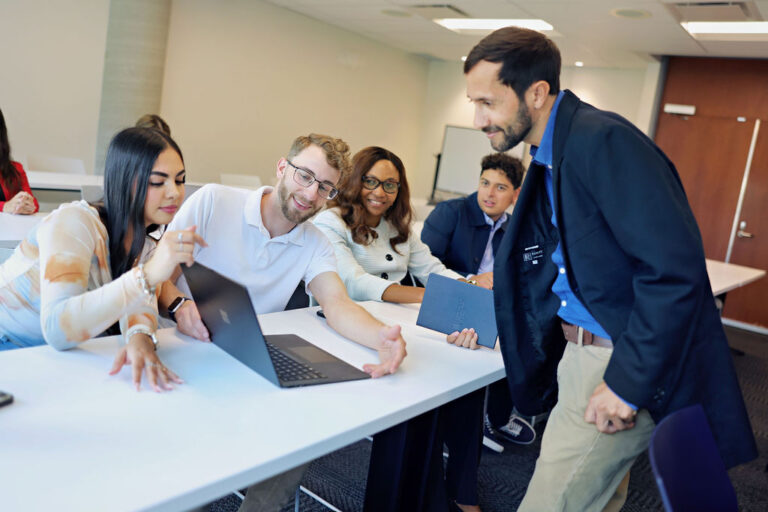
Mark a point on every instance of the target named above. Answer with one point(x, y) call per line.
point(175, 305)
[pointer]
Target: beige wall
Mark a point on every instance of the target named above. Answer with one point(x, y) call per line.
point(243, 78)
point(630, 92)
point(50, 83)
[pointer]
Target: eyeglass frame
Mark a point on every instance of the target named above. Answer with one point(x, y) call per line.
point(332, 193)
point(381, 184)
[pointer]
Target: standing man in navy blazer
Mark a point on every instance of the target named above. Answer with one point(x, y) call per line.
point(599, 282)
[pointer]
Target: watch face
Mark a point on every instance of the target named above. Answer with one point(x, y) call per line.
point(176, 304)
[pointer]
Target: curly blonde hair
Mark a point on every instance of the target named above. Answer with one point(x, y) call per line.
point(336, 150)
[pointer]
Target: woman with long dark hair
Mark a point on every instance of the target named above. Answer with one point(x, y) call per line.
point(15, 195)
point(369, 225)
point(85, 268)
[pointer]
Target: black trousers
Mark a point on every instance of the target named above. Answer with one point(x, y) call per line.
point(406, 468)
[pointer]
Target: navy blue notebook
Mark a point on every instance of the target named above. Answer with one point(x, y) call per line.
point(450, 305)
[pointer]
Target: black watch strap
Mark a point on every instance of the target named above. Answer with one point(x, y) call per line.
point(175, 305)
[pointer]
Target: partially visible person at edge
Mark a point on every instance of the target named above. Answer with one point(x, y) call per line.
point(261, 239)
point(369, 226)
point(85, 267)
point(600, 276)
point(15, 195)
point(153, 121)
point(465, 233)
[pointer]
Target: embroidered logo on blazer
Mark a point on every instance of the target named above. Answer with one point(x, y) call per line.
point(533, 254)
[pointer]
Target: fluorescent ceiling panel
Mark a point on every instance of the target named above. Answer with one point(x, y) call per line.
point(727, 30)
point(477, 26)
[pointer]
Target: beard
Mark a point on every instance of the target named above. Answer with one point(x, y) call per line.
point(515, 133)
point(289, 213)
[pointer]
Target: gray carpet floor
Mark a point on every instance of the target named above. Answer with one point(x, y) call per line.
point(340, 477)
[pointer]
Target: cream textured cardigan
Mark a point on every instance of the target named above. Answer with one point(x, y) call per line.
point(368, 270)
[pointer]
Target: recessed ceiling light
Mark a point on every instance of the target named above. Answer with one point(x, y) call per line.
point(463, 58)
point(395, 13)
point(477, 25)
point(634, 14)
point(578, 64)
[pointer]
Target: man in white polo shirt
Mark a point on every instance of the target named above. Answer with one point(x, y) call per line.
point(259, 238)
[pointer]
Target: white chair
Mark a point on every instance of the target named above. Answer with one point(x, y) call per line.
point(91, 193)
point(240, 180)
point(190, 189)
point(55, 164)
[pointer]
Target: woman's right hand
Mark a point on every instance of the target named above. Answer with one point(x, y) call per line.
point(21, 204)
point(174, 248)
point(140, 353)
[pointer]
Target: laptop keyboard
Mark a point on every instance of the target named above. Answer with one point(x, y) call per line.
point(289, 369)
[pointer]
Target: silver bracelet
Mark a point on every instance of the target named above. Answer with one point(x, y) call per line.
point(149, 291)
point(140, 329)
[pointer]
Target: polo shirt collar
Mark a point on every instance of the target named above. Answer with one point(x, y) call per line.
point(252, 216)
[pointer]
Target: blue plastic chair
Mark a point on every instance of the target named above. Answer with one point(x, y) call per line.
point(689, 472)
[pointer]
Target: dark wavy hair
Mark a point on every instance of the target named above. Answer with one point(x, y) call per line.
point(350, 194)
point(527, 56)
point(8, 173)
point(512, 167)
point(130, 158)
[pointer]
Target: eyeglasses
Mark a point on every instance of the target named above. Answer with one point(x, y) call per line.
point(389, 186)
point(306, 178)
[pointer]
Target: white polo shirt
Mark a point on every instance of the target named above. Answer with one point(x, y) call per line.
point(240, 247)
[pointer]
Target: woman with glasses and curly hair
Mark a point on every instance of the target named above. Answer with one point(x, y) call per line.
point(369, 226)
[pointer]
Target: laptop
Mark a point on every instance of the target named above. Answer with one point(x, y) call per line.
point(286, 360)
point(450, 305)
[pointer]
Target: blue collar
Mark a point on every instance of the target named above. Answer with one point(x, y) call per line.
point(542, 155)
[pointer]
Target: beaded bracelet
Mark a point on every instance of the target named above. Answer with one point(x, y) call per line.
point(149, 291)
point(140, 329)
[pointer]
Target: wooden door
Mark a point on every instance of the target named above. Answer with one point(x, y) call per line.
point(748, 304)
point(710, 154)
point(710, 150)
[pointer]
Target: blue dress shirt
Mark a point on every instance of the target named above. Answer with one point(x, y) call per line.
point(571, 309)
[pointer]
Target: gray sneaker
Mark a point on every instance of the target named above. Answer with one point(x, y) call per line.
point(517, 430)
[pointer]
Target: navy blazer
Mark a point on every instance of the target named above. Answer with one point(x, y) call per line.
point(457, 234)
point(635, 259)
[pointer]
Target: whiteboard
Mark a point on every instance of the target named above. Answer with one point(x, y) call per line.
point(463, 149)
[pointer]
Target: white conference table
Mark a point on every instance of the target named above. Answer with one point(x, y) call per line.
point(43, 180)
point(725, 277)
point(77, 439)
point(16, 227)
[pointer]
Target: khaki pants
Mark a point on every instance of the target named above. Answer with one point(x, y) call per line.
point(579, 469)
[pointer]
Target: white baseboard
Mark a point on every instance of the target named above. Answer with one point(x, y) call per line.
point(747, 327)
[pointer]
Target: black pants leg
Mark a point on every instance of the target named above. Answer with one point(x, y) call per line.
point(406, 468)
point(499, 403)
point(461, 422)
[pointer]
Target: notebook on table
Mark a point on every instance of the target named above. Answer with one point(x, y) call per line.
point(450, 305)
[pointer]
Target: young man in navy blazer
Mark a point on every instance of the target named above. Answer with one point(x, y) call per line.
point(599, 283)
point(465, 233)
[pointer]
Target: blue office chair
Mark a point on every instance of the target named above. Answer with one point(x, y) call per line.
point(689, 472)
